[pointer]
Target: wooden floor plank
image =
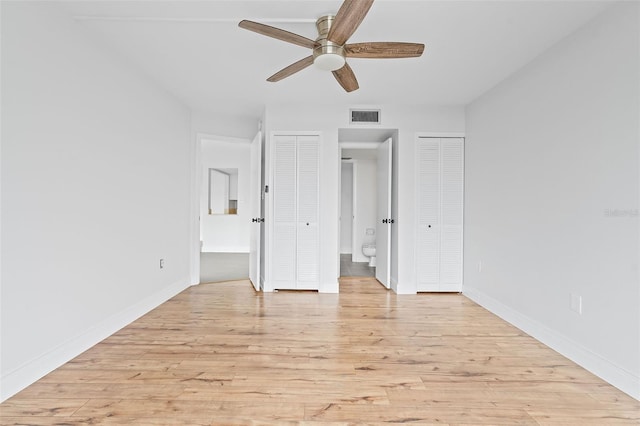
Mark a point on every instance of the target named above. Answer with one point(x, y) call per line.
point(222, 354)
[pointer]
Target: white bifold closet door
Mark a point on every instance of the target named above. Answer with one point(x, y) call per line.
point(439, 211)
point(295, 188)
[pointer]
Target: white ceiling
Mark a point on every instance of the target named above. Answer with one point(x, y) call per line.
point(196, 51)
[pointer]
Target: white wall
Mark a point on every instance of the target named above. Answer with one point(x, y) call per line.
point(95, 190)
point(224, 125)
point(226, 233)
point(328, 119)
point(366, 208)
point(550, 153)
point(346, 208)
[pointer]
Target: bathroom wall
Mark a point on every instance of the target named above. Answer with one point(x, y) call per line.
point(364, 175)
point(346, 208)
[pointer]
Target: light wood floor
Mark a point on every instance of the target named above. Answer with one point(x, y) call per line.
point(222, 354)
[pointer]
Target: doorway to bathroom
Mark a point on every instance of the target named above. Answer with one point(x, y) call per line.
point(365, 203)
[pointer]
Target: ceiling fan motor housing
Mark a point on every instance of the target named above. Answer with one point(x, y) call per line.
point(327, 55)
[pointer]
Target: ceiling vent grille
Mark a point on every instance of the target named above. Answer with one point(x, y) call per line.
point(364, 116)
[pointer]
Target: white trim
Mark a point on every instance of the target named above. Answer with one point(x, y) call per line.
point(332, 287)
point(440, 135)
point(354, 211)
point(217, 138)
point(394, 285)
point(268, 285)
point(296, 133)
point(196, 187)
point(359, 145)
point(195, 242)
point(36, 368)
point(617, 376)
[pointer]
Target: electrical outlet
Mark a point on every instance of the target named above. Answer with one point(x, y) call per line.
point(576, 303)
point(161, 263)
point(479, 264)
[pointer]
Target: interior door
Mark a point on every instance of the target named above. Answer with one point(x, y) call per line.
point(255, 201)
point(452, 198)
point(384, 223)
point(284, 218)
point(308, 239)
point(428, 208)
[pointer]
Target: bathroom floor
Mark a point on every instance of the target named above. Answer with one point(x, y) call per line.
point(355, 269)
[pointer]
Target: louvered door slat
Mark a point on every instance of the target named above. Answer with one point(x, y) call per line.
point(295, 248)
point(284, 212)
point(452, 181)
point(428, 214)
point(308, 192)
point(440, 197)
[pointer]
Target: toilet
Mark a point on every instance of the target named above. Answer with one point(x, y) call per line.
point(369, 250)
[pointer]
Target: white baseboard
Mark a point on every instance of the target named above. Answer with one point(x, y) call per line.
point(329, 287)
point(619, 377)
point(36, 368)
point(394, 284)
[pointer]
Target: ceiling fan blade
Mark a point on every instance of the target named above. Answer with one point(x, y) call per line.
point(277, 33)
point(384, 49)
point(291, 69)
point(346, 78)
point(348, 19)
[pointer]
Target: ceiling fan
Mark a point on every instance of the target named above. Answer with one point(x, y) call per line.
point(330, 49)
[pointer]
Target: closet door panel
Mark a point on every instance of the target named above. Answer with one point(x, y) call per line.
point(428, 214)
point(451, 258)
point(452, 181)
point(284, 212)
point(440, 198)
point(452, 213)
point(428, 258)
point(308, 212)
point(428, 167)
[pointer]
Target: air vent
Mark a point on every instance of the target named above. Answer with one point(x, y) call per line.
point(364, 116)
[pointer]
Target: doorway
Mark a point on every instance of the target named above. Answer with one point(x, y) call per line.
point(365, 203)
point(357, 205)
point(224, 209)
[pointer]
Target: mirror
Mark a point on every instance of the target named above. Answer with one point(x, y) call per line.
point(223, 191)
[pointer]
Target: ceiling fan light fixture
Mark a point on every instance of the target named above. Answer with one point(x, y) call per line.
point(330, 48)
point(329, 61)
point(328, 56)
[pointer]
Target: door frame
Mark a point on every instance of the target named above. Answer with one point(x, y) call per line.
point(267, 167)
point(440, 135)
point(341, 146)
point(195, 243)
